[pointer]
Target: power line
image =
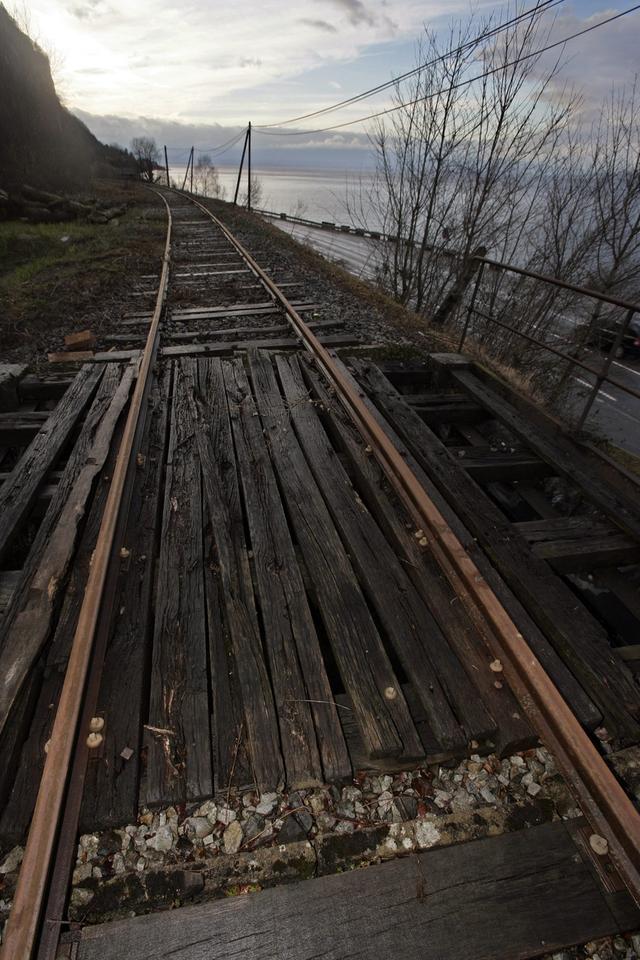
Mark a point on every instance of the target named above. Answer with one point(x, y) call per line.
point(214, 149)
point(455, 86)
point(223, 146)
point(469, 44)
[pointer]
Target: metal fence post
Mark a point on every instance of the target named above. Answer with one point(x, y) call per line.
point(604, 372)
point(472, 304)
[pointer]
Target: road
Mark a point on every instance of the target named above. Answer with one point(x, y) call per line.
point(358, 255)
point(615, 415)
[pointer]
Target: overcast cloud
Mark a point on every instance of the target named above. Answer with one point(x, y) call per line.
point(195, 72)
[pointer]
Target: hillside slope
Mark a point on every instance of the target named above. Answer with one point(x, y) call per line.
point(41, 143)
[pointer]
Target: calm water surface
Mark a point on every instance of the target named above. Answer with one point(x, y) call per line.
point(317, 195)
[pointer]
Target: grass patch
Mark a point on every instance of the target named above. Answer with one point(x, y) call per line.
point(27, 249)
point(60, 277)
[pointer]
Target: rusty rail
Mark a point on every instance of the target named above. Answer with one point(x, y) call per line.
point(602, 799)
point(608, 809)
point(23, 925)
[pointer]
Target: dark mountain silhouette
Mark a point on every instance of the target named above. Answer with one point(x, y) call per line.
point(41, 142)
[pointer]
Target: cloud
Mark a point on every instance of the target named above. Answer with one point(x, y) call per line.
point(200, 62)
point(319, 25)
point(331, 151)
point(611, 52)
point(89, 9)
point(356, 11)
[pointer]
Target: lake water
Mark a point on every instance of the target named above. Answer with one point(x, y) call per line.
point(316, 195)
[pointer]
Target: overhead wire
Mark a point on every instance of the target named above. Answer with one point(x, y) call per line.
point(455, 86)
point(544, 5)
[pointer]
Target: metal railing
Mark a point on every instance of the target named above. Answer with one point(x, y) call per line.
point(483, 263)
point(601, 374)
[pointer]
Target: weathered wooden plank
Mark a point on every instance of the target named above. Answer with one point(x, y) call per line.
point(582, 705)
point(116, 356)
point(240, 310)
point(16, 730)
point(298, 673)
point(237, 333)
point(79, 356)
point(210, 422)
point(431, 399)
point(36, 388)
point(18, 428)
point(428, 661)
point(231, 756)
point(464, 411)
point(24, 787)
point(385, 723)
point(111, 787)
point(220, 349)
point(30, 627)
point(578, 543)
point(563, 528)
point(486, 466)
point(177, 735)
point(499, 898)
point(587, 553)
point(565, 456)
point(19, 492)
point(577, 636)
point(513, 731)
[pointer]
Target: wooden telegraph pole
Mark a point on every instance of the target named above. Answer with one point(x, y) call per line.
point(244, 150)
point(249, 168)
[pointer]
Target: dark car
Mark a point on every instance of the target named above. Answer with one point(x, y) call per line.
point(605, 334)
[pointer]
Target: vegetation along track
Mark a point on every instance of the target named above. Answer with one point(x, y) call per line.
point(200, 252)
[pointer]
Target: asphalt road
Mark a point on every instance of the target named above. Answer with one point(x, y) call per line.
point(358, 255)
point(615, 415)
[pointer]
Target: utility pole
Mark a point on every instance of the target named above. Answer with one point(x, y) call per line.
point(249, 169)
point(244, 149)
point(186, 173)
point(192, 158)
point(166, 164)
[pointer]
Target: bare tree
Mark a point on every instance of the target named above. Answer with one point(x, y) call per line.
point(147, 155)
point(206, 180)
point(256, 193)
point(459, 164)
point(615, 181)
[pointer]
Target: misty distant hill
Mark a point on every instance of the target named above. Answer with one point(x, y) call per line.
point(41, 142)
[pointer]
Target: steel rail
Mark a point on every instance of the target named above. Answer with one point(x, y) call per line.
point(23, 924)
point(608, 809)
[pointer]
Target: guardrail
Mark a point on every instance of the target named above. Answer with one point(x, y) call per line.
point(601, 374)
point(326, 225)
point(475, 265)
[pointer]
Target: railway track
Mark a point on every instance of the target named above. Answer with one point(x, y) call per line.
point(269, 548)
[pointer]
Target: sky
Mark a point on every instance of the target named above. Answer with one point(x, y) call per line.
point(197, 71)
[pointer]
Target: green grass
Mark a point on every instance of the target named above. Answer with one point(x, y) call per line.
point(27, 249)
point(58, 277)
